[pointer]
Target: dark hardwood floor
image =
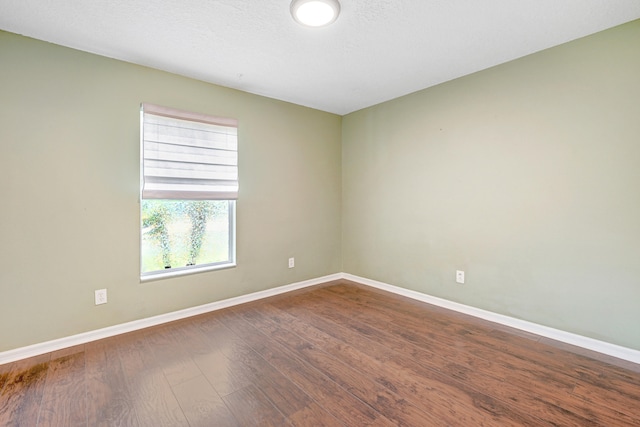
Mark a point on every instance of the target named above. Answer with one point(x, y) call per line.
point(333, 355)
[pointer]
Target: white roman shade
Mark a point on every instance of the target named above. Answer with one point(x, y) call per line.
point(188, 156)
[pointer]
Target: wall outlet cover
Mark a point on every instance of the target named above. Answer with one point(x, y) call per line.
point(101, 296)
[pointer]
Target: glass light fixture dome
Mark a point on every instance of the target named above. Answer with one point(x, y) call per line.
point(315, 13)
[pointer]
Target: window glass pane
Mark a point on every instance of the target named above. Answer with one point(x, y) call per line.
point(179, 234)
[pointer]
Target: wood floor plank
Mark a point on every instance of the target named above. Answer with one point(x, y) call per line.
point(509, 400)
point(64, 402)
point(194, 340)
point(554, 357)
point(4, 374)
point(201, 405)
point(219, 336)
point(151, 393)
point(22, 393)
point(627, 404)
point(252, 408)
point(605, 358)
point(335, 399)
point(175, 361)
point(389, 347)
point(552, 366)
point(314, 415)
point(109, 401)
point(457, 324)
point(155, 402)
point(445, 397)
point(284, 394)
point(391, 404)
point(225, 376)
point(249, 368)
point(477, 336)
point(553, 398)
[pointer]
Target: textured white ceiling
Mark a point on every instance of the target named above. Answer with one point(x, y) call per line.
point(377, 49)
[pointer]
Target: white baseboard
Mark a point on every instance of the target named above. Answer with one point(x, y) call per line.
point(85, 337)
point(545, 331)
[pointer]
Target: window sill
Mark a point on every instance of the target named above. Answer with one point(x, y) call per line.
point(160, 275)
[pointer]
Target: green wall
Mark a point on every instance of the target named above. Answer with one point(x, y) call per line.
point(526, 176)
point(69, 221)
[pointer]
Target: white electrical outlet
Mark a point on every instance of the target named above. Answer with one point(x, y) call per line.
point(292, 262)
point(459, 276)
point(101, 296)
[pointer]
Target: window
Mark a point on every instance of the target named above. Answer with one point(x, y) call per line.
point(189, 184)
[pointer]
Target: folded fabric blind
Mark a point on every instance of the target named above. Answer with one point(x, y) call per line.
point(187, 155)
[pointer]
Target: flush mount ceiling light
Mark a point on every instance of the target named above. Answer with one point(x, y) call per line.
point(315, 13)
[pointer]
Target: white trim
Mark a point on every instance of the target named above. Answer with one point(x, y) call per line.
point(85, 337)
point(567, 337)
point(614, 350)
point(183, 271)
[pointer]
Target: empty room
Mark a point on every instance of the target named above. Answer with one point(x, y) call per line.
point(320, 213)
